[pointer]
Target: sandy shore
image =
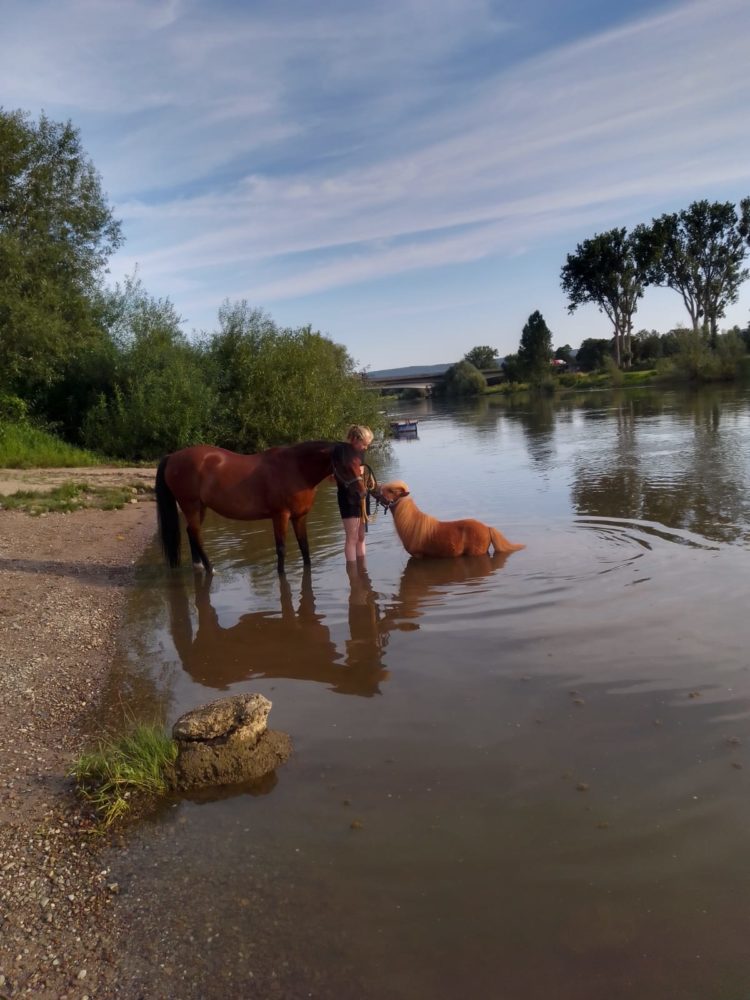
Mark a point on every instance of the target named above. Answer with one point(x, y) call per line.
point(64, 579)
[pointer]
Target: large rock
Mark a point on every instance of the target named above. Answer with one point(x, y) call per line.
point(226, 742)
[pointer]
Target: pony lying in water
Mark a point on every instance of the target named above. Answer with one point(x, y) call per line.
point(423, 535)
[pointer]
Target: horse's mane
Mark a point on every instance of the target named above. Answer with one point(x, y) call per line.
point(414, 527)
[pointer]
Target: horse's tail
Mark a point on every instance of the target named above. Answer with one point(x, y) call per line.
point(501, 544)
point(167, 516)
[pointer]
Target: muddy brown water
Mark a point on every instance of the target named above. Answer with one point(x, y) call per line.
point(527, 779)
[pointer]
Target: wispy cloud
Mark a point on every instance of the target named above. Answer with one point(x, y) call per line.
point(271, 154)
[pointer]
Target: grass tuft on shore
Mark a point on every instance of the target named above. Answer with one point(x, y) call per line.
point(124, 768)
point(68, 497)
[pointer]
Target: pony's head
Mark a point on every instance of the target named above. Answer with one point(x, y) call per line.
point(389, 494)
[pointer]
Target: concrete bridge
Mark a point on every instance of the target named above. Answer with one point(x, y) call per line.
point(424, 379)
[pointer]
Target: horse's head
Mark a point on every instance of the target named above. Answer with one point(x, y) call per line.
point(389, 494)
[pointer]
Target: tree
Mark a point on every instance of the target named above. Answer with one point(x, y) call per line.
point(56, 234)
point(463, 379)
point(158, 398)
point(481, 356)
point(699, 253)
point(276, 386)
point(593, 353)
point(512, 368)
point(535, 349)
point(609, 271)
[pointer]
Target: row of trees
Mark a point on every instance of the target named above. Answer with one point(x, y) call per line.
point(698, 252)
point(112, 369)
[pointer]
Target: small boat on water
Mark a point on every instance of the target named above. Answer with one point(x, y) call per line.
point(404, 427)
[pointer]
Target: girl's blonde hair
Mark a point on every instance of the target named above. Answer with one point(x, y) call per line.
point(358, 432)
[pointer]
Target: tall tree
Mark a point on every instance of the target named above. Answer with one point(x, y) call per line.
point(699, 252)
point(56, 234)
point(535, 349)
point(481, 356)
point(610, 271)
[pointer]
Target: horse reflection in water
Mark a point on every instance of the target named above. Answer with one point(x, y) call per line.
point(431, 581)
point(295, 644)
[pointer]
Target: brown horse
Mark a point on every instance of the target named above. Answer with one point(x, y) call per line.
point(279, 483)
point(422, 535)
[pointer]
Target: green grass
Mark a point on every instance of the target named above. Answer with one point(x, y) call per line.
point(25, 447)
point(580, 381)
point(70, 496)
point(124, 769)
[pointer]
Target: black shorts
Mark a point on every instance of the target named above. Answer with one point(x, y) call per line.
point(349, 503)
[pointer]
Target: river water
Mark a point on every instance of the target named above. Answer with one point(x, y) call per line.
point(521, 780)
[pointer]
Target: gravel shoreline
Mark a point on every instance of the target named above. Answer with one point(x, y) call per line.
point(64, 580)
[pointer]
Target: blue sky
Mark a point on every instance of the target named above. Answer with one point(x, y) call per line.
point(406, 176)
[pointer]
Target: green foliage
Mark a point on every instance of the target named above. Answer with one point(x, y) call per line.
point(609, 271)
point(535, 350)
point(614, 372)
point(463, 379)
point(56, 234)
point(481, 356)
point(512, 368)
point(274, 386)
point(699, 253)
point(696, 361)
point(158, 399)
point(593, 353)
point(120, 769)
point(23, 446)
point(68, 497)
point(12, 408)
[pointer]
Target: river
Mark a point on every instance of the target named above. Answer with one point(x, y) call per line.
point(523, 780)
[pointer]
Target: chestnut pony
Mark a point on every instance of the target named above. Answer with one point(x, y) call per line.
point(423, 535)
point(278, 483)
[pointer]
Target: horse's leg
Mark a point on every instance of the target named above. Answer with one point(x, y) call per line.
point(194, 517)
point(299, 524)
point(280, 525)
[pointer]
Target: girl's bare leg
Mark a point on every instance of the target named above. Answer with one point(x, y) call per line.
point(351, 540)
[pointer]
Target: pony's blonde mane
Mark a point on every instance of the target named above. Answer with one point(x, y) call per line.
point(414, 527)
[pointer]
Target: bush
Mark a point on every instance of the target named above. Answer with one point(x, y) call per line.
point(273, 386)
point(12, 409)
point(695, 361)
point(463, 379)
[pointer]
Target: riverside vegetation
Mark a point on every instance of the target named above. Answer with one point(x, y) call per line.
point(111, 370)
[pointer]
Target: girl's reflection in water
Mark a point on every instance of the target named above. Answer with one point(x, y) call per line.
point(297, 644)
point(294, 644)
point(368, 635)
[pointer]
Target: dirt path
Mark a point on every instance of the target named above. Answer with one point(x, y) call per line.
point(64, 579)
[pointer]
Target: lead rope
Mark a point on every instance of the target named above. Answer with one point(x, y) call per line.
point(370, 483)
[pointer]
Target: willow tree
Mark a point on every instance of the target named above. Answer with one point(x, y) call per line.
point(609, 271)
